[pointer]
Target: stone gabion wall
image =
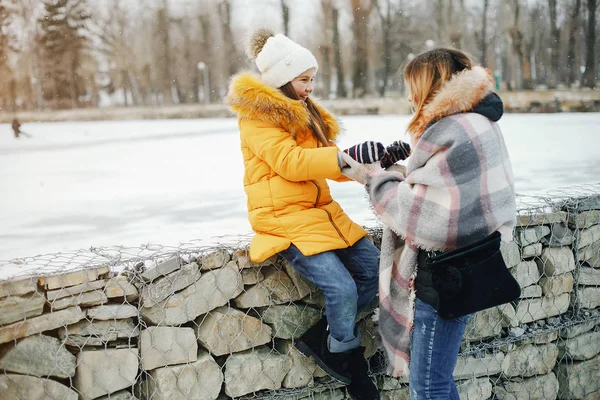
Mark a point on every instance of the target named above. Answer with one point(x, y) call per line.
point(207, 323)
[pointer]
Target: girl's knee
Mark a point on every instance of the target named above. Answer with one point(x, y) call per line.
point(346, 288)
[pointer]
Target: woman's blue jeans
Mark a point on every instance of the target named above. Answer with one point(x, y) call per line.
point(433, 354)
point(348, 279)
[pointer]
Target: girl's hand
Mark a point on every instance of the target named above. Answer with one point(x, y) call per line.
point(367, 152)
point(355, 170)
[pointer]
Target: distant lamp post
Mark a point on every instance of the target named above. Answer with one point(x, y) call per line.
point(203, 68)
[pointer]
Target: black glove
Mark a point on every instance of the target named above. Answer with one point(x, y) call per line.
point(395, 152)
point(367, 152)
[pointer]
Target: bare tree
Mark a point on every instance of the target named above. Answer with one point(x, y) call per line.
point(5, 71)
point(337, 55)
point(164, 55)
point(385, 16)
point(285, 13)
point(484, 27)
point(30, 54)
point(361, 11)
point(4, 35)
point(572, 64)
point(456, 28)
point(113, 33)
point(230, 48)
point(206, 57)
point(441, 21)
point(522, 49)
point(554, 75)
point(325, 48)
point(186, 74)
point(589, 75)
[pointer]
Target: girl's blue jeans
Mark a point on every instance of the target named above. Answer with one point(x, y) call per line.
point(433, 354)
point(348, 279)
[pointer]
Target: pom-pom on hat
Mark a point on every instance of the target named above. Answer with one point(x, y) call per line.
point(278, 58)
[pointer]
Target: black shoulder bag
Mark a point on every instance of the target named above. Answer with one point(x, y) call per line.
point(472, 278)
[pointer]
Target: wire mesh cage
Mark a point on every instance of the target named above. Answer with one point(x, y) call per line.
point(204, 322)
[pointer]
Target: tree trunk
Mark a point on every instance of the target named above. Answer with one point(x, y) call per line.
point(589, 76)
point(441, 22)
point(386, 27)
point(163, 22)
point(206, 56)
point(337, 55)
point(285, 13)
point(486, 4)
point(94, 95)
point(554, 75)
point(522, 50)
point(325, 71)
point(124, 80)
point(572, 63)
point(361, 9)
point(74, 64)
point(325, 49)
point(189, 92)
point(12, 89)
point(526, 69)
point(39, 75)
point(147, 85)
point(230, 50)
point(456, 34)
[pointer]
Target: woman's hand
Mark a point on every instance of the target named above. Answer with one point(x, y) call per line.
point(395, 152)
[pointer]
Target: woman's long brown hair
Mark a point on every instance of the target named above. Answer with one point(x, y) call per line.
point(427, 73)
point(317, 124)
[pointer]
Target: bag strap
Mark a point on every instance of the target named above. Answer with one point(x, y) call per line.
point(490, 240)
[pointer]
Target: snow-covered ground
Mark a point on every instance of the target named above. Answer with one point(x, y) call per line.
point(76, 185)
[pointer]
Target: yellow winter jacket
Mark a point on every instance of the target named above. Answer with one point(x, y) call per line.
point(285, 173)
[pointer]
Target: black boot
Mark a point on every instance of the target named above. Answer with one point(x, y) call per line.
point(311, 340)
point(314, 343)
point(362, 386)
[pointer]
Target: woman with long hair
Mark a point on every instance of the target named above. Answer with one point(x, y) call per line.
point(457, 189)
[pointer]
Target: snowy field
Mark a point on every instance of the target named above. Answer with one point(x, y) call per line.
point(76, 185)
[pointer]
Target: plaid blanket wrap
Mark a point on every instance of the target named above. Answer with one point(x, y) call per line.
point(458, 189)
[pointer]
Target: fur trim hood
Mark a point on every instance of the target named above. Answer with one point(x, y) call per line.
point(460, 94)
point(251, 98)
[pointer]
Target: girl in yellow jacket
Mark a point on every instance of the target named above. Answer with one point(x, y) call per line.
point(286, 141)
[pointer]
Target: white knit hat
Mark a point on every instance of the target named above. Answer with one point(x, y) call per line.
point(281, 60)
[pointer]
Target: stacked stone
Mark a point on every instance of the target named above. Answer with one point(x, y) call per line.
point(51, 330)
point(191, 326)
point(587, 228)
point(220, 326)
point(579, 348)
point(173, 294)
point(271, 320)
point(542, 259)
point(193, 330)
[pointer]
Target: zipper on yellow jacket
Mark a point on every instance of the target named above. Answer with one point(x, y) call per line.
point(329, 214)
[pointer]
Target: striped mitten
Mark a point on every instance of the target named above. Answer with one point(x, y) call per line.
point(366, 152)
point(395, 152)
